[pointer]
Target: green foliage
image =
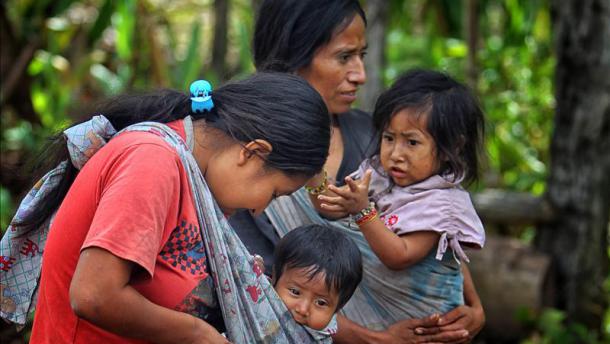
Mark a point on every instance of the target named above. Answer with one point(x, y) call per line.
point(6, 209)
point(515, 68)
point(550, 328)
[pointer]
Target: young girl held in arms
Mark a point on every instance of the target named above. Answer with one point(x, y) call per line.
point(407, 199)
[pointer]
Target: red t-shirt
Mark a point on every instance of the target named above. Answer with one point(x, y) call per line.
point(133, 199)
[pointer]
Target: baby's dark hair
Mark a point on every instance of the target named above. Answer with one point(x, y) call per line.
point(326, 250)
point(454, 118)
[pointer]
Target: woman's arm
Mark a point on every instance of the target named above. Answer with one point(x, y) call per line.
point(100, 293)
point(316, 186)
point(470, 316)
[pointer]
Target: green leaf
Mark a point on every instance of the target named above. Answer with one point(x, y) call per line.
point(102, 22)
point(110, 82)
point(124, 22)
point(191, 65)
point(6, 208)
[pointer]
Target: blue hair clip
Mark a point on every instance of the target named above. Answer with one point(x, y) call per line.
point(201, 96)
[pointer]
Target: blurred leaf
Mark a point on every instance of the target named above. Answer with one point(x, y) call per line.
point(102, 22)
point(19, 137)
point(59, 6)
point(245, 58)
point(6, 209)
point(551, 321)
point(456, 48)
point(110, 82)
point(124, 22)
point(190, 67)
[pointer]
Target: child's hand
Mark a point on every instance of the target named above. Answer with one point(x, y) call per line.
point(351, 198)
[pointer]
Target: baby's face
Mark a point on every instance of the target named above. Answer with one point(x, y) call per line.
point(310, 301)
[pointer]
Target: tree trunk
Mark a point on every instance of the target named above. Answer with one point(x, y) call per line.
point(511, 208)
point(15, 56)
point(472, 34)
point(256, 4)
point(579, 181)
point(377, 12)
point(221, 28)
point(510, 277)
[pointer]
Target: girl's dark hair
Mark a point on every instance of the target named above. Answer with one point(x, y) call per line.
point(321, 249)
point(288, 32)
point(454, 118)
point(280, 108)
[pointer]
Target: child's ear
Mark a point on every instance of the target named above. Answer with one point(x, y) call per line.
point(256, 148)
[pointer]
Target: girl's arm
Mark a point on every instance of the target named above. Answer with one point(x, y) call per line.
point(100, 293)
point(395, 252)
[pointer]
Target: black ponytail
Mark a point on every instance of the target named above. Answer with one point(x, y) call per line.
point(280, 108)
point(160, 106)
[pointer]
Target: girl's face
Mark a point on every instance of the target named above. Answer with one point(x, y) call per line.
point(408, 151)
point(238, 179)
point(309, 301)
point(337, 68)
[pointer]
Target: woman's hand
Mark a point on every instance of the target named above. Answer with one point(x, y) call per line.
point(426, 330)
point(464, 317)
point(410, 331)
point(350, 198)
point(470, 316)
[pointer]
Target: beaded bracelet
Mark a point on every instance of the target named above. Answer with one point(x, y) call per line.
point(316, 190)
point(365, 215)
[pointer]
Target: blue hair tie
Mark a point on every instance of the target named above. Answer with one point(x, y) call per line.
point(201, 96)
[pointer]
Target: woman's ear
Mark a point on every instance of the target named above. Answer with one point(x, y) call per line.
point(259, 148)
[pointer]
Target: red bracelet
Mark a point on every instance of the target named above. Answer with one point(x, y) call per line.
point(366, 215)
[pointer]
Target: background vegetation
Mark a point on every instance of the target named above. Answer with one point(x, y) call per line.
point(59, 55)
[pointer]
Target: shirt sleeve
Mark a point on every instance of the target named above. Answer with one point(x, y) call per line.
point(445, 212)
point(138, 203)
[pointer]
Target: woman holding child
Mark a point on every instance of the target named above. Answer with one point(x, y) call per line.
point(324, 41)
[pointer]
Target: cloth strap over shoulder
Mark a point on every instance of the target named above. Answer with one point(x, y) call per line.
point(252, 310)
point(20, 252)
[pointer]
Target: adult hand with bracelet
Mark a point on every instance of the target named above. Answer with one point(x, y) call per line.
point(352, 198)
point(318, 184)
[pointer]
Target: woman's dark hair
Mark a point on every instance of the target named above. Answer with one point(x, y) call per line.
point(280, 108)
point(288, 32)
point(454, 118)
point(321, 249)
